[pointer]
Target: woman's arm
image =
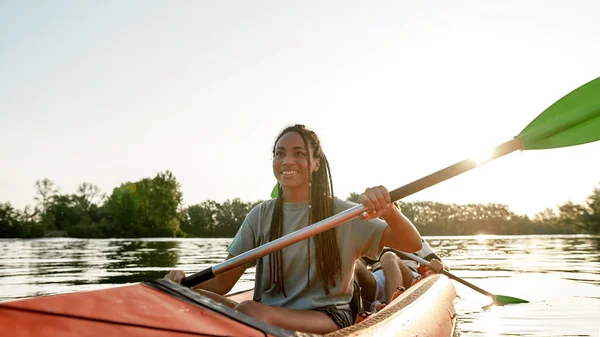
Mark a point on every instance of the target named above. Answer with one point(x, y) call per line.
point(400, 234)
point(220, 284)
point(223, 283)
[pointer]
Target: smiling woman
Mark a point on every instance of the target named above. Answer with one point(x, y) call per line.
point(291, 161)
point(307, 286)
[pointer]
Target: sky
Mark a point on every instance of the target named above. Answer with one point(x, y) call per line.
point(114, 91)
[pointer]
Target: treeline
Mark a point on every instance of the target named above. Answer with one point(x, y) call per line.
point(212, 219)
point(152, 207)
point(149, 207)
point(434, 218)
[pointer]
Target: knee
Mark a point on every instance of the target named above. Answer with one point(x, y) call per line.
point(388, 259)
point(245, 307)
point(357, 267)
point(251, 308)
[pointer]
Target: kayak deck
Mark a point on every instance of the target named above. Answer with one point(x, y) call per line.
point(162, 308)
point(425, 309)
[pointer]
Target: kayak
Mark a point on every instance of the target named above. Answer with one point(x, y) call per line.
point(163, 308)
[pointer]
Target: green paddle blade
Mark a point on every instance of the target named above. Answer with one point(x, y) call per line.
point(503, 300)
point(572, 120)
point(275, 191)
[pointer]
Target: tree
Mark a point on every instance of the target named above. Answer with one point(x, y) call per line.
point(63, 212)
point(592, 218)
point(230, 216)
point(354, 197)
point(148, 207)
point(10, 227)
point(124, 215)
point(201, 219)
point(574, 215)
point(87, 195)
point(45, 191)
point(165, 199)
point(16, 224)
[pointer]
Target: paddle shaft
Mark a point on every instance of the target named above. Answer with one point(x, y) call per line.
point(454, 170)
point(345, 216)
point(448, 274)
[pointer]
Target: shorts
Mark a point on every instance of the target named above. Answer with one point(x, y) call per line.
point(341, 315)
point(380, 294)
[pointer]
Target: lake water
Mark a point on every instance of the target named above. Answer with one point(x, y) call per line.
point(559, 275)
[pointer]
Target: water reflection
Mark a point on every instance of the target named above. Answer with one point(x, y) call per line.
point(38, 267)
point(136, 261)
point(559, 275)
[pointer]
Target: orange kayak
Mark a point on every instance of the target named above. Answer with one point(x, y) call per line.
point(162, 308)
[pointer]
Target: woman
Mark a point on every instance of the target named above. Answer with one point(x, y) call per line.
point(307, 286)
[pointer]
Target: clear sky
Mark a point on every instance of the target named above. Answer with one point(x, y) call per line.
point(113, 91)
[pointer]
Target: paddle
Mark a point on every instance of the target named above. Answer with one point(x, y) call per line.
point(572, 120)
point(498, 299)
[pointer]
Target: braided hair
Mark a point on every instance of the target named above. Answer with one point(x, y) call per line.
point(321, 206)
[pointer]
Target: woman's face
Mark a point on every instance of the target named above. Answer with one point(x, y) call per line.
point(290, 164)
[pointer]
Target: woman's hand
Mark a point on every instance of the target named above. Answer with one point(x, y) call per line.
point(377, 201)
point(175, 276)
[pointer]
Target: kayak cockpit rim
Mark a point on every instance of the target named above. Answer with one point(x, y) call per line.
point(185, 294)
point(188, 295)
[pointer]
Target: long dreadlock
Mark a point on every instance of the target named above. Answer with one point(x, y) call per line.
point(321, 206)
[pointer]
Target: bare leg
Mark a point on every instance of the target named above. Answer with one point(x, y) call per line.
point(366, 281)
point(299, 320)
point(217, 297)
point(394, 277)
point(310, 321)
point(407, 275)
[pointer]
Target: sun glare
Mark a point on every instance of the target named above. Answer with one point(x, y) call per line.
point(482, 155)
point(481, 237)
point(491, 322)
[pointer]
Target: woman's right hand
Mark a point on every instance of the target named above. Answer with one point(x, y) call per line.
point(175, 276)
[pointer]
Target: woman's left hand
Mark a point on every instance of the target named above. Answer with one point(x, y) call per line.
point(175, 276)
point(377, 201)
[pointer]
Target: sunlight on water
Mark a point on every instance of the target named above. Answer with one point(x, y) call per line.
point(559, 275)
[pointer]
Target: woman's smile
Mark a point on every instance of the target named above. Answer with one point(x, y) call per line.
point(289, 173)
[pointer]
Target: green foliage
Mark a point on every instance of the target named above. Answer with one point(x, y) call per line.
point(433, 218)
point(86, 231)
point(212, 219)
point(146, 208)
point(17, 224)
point(592, 218)
point(354, 197)
point(10, 226)
point(200, 219)
point(152, 207)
